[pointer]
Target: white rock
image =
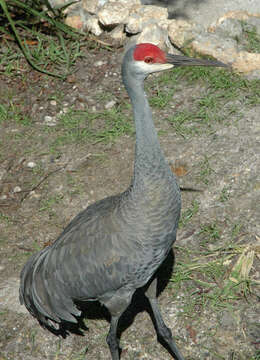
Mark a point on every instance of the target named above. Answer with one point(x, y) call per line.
point(49, 120)
point(127, 2)
point(113, 13)
point(118, 33)
point(92, 25)
point(53, 102)
point(17, 189)
point(75, 21)
point(31, 164)
point(154, 34)
point(110, 104)
point(144, 15)
point(91, 6)
point(100, 63)
point(180, 31)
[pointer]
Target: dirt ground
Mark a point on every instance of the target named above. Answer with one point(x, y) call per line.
point(50, 169)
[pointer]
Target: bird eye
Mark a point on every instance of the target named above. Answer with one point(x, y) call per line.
point(148, 60)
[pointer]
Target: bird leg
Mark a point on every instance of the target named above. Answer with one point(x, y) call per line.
point(116, 306)
point(162, 330)
point(112, 339)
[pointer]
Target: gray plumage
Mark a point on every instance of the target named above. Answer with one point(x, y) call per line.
point(116, 245)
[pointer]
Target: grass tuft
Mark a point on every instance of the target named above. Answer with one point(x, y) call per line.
point(42, 37)
point(215, 279)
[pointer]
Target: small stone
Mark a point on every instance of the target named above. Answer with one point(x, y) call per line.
point(92, 25)
point(34, 195)
point(74, 21)
point(31, 164)
point(110, 104)
point(100, 63)
point(49, 120)
point(53, 102)
point(71, 78)
point(118, 33)
point(17, 189)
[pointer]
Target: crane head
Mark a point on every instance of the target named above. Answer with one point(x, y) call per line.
point(149, 58)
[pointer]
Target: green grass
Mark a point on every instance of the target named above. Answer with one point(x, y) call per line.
point(210, 233)
point(13, 113)
point(219, 89)
point(49, 203)
point(252, 38)
point(161, 98)
point(83, 125)
point(225, 194)
point(183, 123)
point(47, 44)
point(208, 281)
point(3, 113)
point(205, 170)
point(187, 214)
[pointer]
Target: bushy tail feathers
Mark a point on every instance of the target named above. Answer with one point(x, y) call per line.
point(45, 300)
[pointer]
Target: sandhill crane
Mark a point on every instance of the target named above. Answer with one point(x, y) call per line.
point(115, 246)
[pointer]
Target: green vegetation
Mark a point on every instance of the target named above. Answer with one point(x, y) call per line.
point(219, 88)
point(225, 194)
point(44, 40)
point(12, 112)
point(83, 125)
point(205, 170)
point(210, 232)
point(252, 38)
point(212, 278)
point(189, 213)
point(49, 203)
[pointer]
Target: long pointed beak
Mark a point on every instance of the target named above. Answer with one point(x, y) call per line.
point(179, 60)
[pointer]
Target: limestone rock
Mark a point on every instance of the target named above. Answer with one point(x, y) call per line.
point(239, 15)
point(246, 62)
point(92, 25)
point(92, 6)
point(127, 2)
point(113, 13)
point(118, 33)
point(74, 21)
point(230, 28)
point(180, 31)
point(224, 50)
point(141, 16)
point(154, 34)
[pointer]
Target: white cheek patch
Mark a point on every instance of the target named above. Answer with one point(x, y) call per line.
point(149, 68)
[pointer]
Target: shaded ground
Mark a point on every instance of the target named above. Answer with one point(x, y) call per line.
point(53, 167)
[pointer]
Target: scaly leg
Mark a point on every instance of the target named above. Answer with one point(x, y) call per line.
point(116, 306)
point(162, 330)
point(112, 339)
